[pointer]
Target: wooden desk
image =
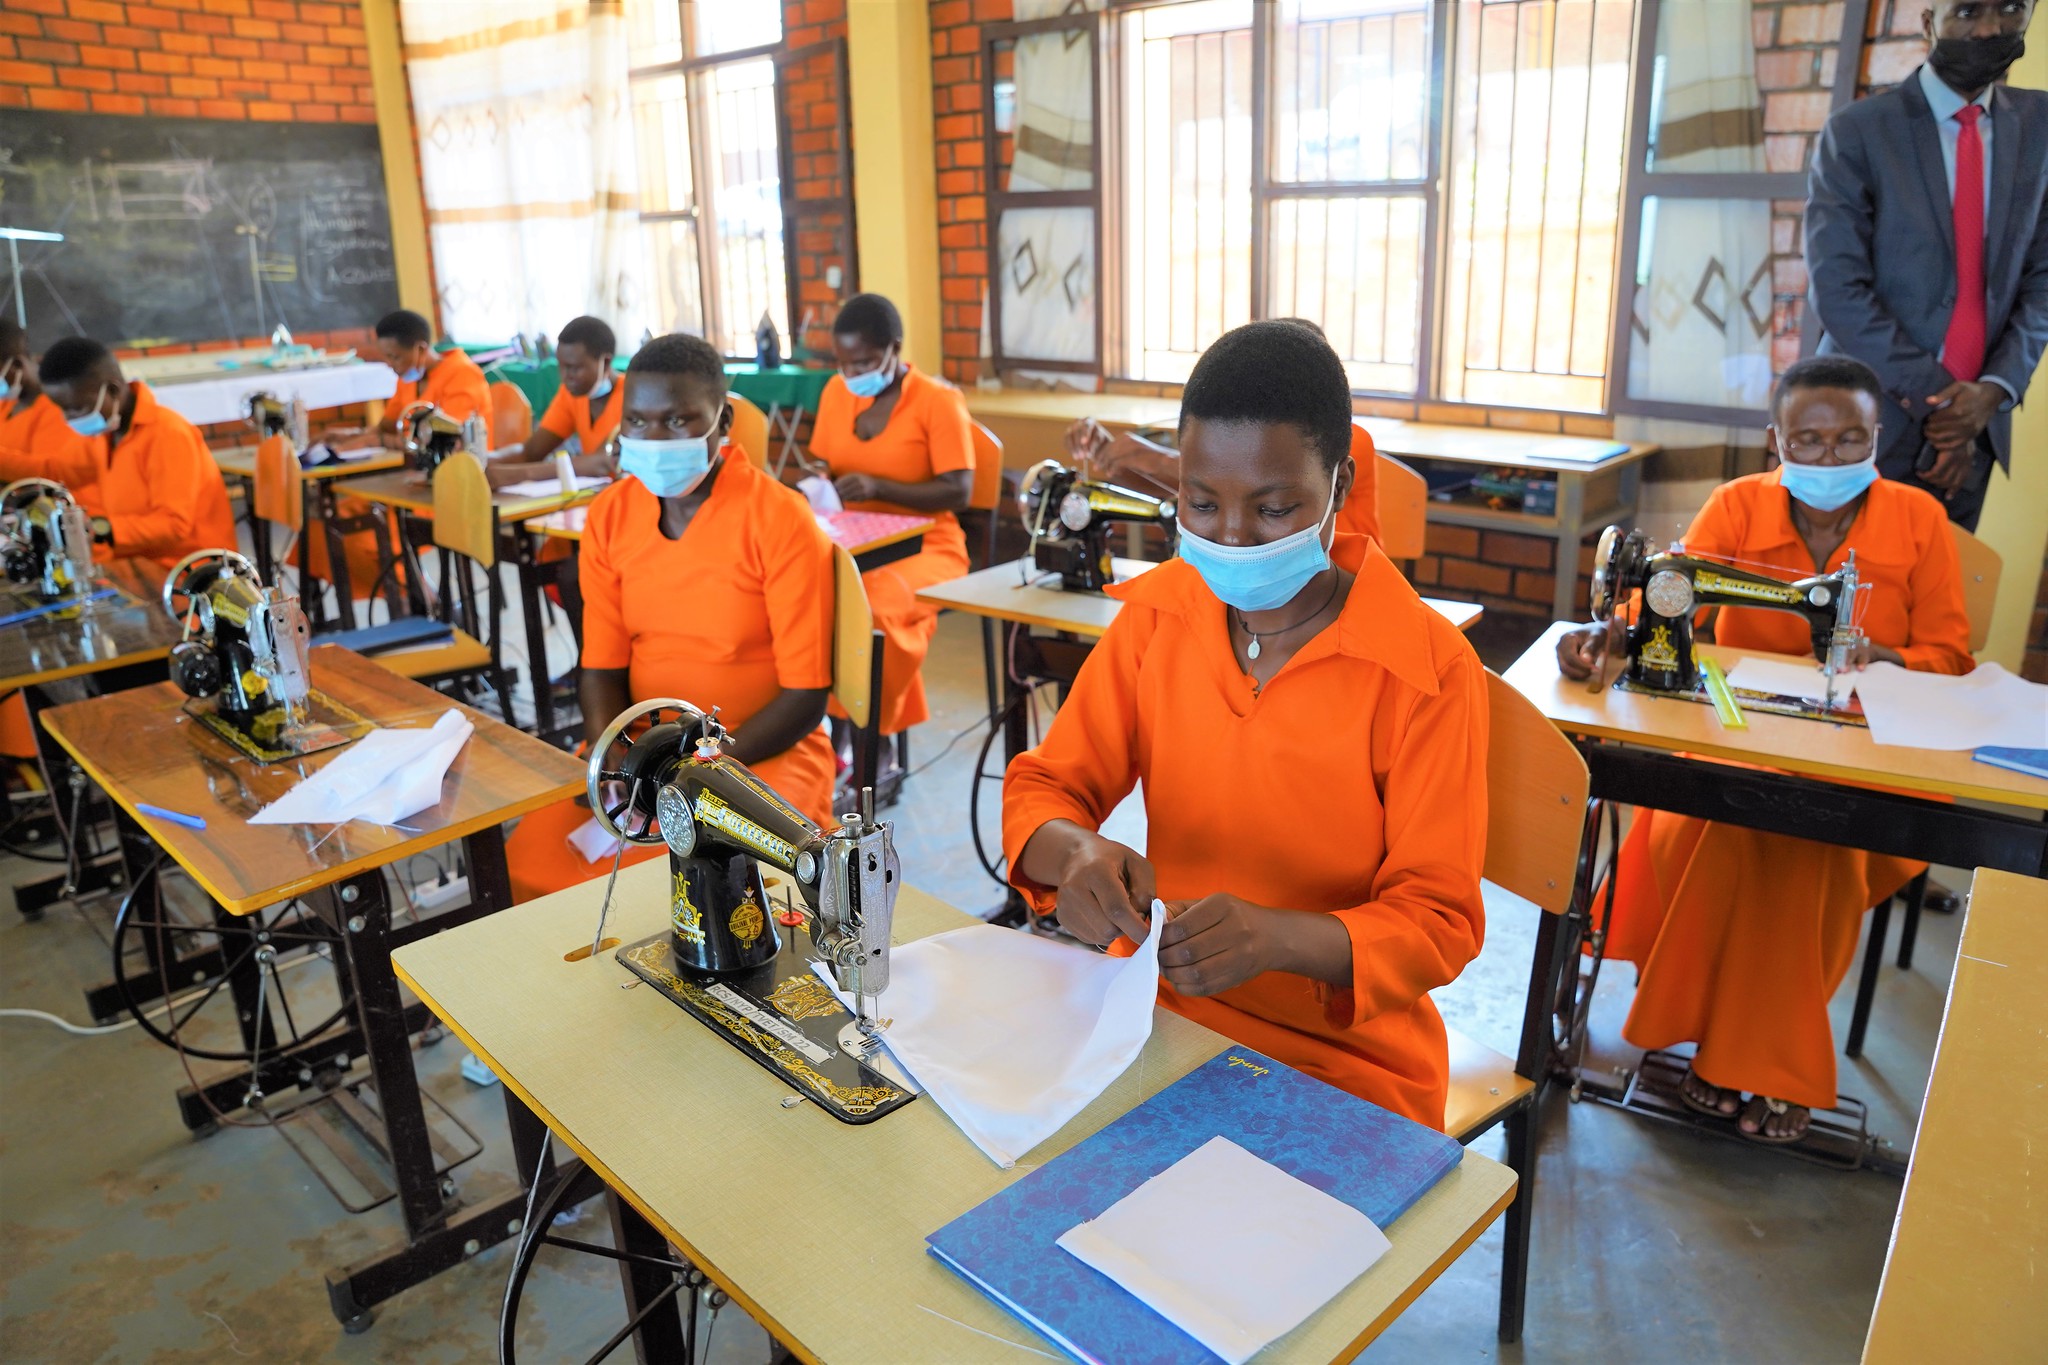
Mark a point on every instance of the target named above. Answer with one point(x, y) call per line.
point(93, 637)
point(240, 463)
point(658, 1105)
point(316, 496)
point(1010, 592)
point(869, 552)
point(141, 747)
point(409, 491)
point(1964, 1279)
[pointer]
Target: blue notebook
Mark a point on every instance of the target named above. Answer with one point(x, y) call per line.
point(2033, 762)
point(1373, 1160)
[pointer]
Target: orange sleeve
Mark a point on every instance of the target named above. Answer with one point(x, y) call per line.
point(1937, 625)
point(37, 443)
point(606, 641)
point(798, 583)
point(1088, 760)
point(833, 427)
point(174, 468)
point(948, 430)
point(468, 394)
point(1426, 920)
point(558, 419)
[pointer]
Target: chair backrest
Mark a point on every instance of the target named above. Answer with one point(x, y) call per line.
point(1981, 569)
point(511, 416)
point(278, 477)
point(1536, 785)
point(463, 518)
point(1404, 509)
point(988, 469)
point(749, 429)
point(853, 639)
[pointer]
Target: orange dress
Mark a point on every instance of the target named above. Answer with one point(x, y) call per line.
point(1352, 784)
point(453, 384)
point(37, 443)
point(569, 418)
point(1360, 514)
point(1743, 936)
point(928, 434)
point(730, 615)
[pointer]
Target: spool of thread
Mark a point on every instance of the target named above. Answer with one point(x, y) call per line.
point(565, 470)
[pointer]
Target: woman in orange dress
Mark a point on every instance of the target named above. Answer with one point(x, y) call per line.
point(1741, 937)
point(703, 579)
point(581, 419)
point(897, 440)
point(1311, 741)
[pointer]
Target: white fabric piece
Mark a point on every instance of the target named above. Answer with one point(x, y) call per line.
point(1941, 711)
point(1013, 1034)
point(382, 778)
point(592, 843)
point(822, 496)
point(1780, 679)
point(1230, 1249)
point(205, 401)
point(550, 488)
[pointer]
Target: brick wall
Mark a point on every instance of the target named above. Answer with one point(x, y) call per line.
point(812, 114)
point(963, 178)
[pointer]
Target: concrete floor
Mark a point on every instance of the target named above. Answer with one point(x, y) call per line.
point(122, 1238)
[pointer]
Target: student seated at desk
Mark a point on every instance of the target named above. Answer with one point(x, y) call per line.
point(705, 579)
point(897, 440)
point(1129, 458)
point(1740, 937)
point(28, 420)
point(582, 417)
point(142, 472)
point(1310, 739)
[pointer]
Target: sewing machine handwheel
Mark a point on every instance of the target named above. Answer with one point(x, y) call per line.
point(618, 763)
point(22, 492)
point(194, 574)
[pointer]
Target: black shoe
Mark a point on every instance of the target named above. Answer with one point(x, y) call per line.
point(1940, 900)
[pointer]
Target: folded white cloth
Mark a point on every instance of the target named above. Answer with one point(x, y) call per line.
point(819, 492)
point(550, 488)
point(1013, 1034)
point(1941, 711)
point(592, 843)
point(1229, 1248)
point(383, 777)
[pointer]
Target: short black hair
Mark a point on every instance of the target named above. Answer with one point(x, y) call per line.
point(13, 338)
point(592, 334)
point(72, 358)
point(1315, 327)
point(405, 327)
point(1275, 372)
point(679, 353)
point(1826, 372)
point(870, 317)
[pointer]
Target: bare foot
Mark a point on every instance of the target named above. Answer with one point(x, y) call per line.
point(1775, 1121)
point(1707, 1098)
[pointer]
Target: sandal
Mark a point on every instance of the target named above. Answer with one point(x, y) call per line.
point(1701, 1105)
point(1763, 1107)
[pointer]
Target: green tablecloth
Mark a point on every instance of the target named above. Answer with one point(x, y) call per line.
point(787, 386)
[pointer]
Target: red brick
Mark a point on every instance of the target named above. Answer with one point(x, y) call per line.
point(1802, 112)
point(1451, 540)
point(283, 52)
point(85, 78)
point(13, 96)
point(320, 13)
point(243, 89)
point(26, 73)
point(71, 30)
point(148, 16)
point(1763, 29)
point(38, 6)
point(1790, 70)
point(952, 71)
point(111, 58)
point(189, 43)
point(194, 87)
point(41, 50)
point(326, 56)
point(99, 11)
point(215, 66)
point(117, 104)
point(1786, 152)
point(303, 33)
point(121, 35)
point(221, 109)
point(314, 113)
point(237, 47)
point(346, 37)
point(276, 9)
point(72, 100)
point(1475, 577)
point(1505, 547)
point(357, 113)
point(226, 6)
point(994, 11)
point(270, 111)
point(174, 108)
point(20, 25)
point(208, 23)
point(1535, 587)
point(1888, 63)
point(946, 13)
point(255, 28)
point(136, 83)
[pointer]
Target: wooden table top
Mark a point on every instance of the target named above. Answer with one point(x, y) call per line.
point(141, 747)
point(822, 1242)
point(91, 638)
point(409, 491)
point(241, 463)
point(1113, 409)
point(1002, 592)
point(1788, 743)
point(1967, 1275)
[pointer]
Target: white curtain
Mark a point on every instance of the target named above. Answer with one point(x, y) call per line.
point(525, 129)
point(1047, 255)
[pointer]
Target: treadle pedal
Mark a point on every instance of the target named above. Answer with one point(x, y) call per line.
point(1837, 1138)
point(339, 1134)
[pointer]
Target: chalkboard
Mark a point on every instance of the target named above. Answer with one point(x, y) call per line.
point(194, 229)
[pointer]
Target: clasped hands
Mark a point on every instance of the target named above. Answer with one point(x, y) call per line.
point(1959, 413)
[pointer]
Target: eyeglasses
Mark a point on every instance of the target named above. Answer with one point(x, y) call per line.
point(1850, 448)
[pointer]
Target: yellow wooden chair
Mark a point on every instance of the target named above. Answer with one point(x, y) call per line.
point(749, 429)
point(1536, 785)
point(511, 416)
point(856, 665)
point(987, 499)
point(1403, 509)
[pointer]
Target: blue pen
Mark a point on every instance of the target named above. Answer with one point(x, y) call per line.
point(175, 817)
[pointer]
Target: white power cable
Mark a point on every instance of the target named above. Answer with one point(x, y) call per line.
point(88, 1031)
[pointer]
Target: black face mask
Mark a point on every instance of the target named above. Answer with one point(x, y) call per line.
point(1966, 64)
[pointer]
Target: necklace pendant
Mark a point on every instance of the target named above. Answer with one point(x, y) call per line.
point(1252, 651)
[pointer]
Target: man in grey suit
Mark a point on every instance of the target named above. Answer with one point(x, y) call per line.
point(1953, 331)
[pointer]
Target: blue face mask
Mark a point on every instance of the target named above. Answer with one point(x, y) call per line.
point(94, 422)
point(414, 375)
point(870, 384)
point(604, 386)
point(669, 469)
point(1261, 577)
point(1825, 487)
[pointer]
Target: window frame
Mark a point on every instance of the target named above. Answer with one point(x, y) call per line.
point(1640, 184)
point(796, 210)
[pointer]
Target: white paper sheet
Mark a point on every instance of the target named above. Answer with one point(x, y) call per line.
point(1781, 679)
point(1229, 1248)
point(1941, 711)
point(592, 843)
point(382, 778)
point(550, 488)
point(819, 492)
point(1013, 1034)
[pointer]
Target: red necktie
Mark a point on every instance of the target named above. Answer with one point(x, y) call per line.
point(1962, 351)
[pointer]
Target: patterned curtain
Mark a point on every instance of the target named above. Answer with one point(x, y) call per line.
point(525, 131)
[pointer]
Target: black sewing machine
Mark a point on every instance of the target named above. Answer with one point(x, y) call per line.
point(1674, 585)
point(47, 544)
point(245, 648)
point(1069, 519)
point(722, 958)
point(268, 415)
point(431, 436)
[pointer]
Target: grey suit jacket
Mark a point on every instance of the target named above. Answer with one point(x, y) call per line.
point(1880, 250)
